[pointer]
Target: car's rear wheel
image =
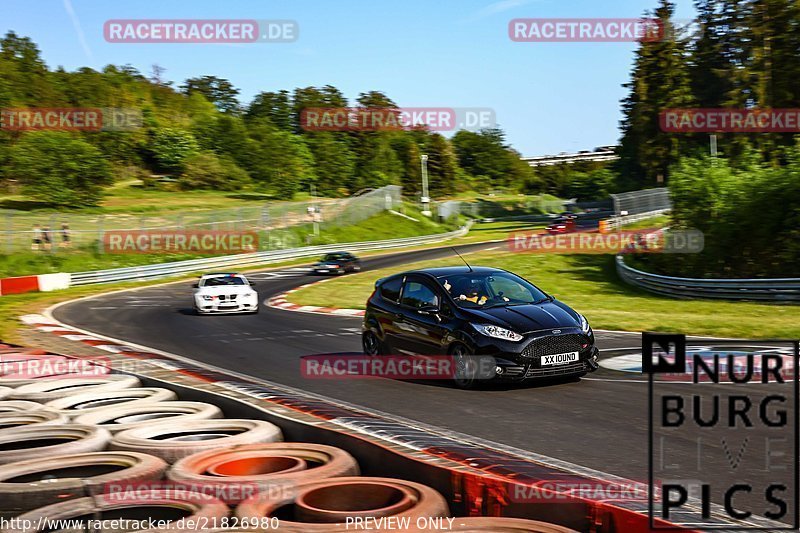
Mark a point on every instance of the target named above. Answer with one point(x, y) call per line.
point(371, 344)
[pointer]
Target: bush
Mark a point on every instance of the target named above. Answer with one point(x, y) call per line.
point(59, 169)
point(750, 218)
point(207, 171)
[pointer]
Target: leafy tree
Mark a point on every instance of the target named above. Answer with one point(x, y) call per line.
point(378, 163)
point(274, 106)
point(280, 160)
point(225, 135)
point(59, 169)
point(588, 186)
point(308, 97)
point(334, 161)
point(408, 153)
point(485, 156)
point(375, 99)
point(660, 81)
point(217, 90)
point(171, 147)
point(441, 165)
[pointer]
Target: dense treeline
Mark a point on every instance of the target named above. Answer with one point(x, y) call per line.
point(746, 200)
point(737, 54)
point(201, 134)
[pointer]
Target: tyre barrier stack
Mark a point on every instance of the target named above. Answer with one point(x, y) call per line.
point(105, 448)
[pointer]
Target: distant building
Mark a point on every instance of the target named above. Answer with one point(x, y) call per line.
point(601, 153)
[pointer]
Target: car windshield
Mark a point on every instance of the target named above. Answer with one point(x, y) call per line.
point(223, 281)
point(492, 289)
point(333, 257)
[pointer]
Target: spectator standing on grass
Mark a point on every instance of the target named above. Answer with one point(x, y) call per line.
point(46, 237)
point(36, 241)
point(65, 235)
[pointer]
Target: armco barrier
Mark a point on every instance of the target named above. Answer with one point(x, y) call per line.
point(773, 290)
point(164, 270)
point(42, 282)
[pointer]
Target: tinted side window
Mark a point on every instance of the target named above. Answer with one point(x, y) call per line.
point(390, 289)
point(416, 295)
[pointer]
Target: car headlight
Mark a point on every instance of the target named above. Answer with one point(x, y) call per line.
point(584, 324)
point(207, 298)
point(497, 332)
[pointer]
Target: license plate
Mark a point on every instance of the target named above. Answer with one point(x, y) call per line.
point(559, 359)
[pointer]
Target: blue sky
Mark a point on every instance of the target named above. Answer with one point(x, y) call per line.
point(548, 97)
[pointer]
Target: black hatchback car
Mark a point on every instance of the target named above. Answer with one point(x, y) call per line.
point(475, 313)
point(337, 263)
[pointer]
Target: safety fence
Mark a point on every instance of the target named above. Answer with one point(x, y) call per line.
point(62, 232)
point(643, 201)
point(774, 290)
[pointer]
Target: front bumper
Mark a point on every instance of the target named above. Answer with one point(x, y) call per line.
point(327, 270)
point(220, 307)
point(522, 360)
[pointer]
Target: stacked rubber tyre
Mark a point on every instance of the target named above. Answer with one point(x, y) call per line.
point(102, 448)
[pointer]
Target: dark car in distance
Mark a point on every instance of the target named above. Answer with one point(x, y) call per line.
point(475, 313)
point(562, 225)
point(337, 263)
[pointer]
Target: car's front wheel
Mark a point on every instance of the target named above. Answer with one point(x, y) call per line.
point(466, 367)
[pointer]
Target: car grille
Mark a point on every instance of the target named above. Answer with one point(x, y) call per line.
point(554, 344)
point(222, 297)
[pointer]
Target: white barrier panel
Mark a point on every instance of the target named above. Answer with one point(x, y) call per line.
point(53, 282)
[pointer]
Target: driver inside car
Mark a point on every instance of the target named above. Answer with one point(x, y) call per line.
point(470, 291)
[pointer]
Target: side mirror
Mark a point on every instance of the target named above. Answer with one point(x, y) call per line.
point(252, 283)
point(196, 285)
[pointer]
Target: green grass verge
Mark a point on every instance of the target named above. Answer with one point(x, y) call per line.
point(655, 222)
point(590, 284)
point(492, 231)
point(383, 226)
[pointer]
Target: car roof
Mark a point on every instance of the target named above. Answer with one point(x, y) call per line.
point(220, 275)
point(451, 271)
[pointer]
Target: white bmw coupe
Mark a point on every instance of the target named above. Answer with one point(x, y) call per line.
point(224, 293)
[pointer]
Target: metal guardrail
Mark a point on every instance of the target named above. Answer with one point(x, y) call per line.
point(619, 221)
point(163, 270)
point(775, 290)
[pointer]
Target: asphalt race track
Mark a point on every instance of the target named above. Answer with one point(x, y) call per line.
point(598, 422)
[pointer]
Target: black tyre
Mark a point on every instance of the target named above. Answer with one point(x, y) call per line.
point(371, 344)
point(466, 367)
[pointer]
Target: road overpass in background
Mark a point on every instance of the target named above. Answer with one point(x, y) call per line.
point(602, 153)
